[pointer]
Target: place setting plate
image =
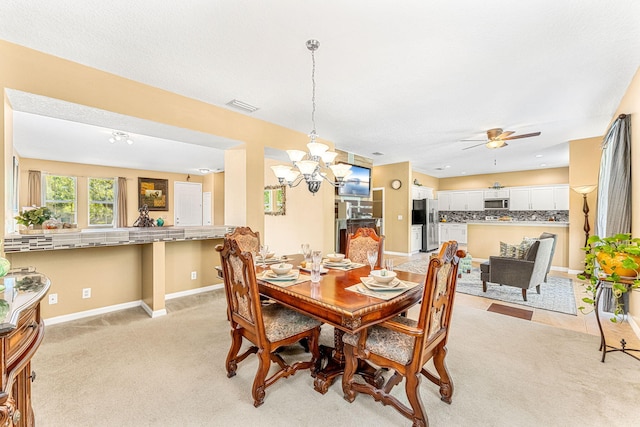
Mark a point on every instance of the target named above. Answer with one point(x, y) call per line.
point(394, 286)
point(270, 275)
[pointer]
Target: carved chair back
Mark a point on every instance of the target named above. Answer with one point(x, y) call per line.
point(247, 239)
point(363, 240)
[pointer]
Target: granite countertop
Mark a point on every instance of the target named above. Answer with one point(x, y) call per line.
point(521, 223)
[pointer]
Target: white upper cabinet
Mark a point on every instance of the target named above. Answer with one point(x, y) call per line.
point(496, 194)
point(548, 198)
point(472, 200)
point(444, 200)
point(419, 192)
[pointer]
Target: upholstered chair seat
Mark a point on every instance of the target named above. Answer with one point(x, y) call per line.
point(281, 322)
point(267, 326)
point(404, 346)
point(386, 342)
point(362, 241)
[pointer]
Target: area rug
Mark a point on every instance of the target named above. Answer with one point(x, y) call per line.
point(555, 295)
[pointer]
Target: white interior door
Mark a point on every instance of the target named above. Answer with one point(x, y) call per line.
point(188, 203)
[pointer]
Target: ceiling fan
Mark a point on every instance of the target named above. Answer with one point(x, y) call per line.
point(497, 137)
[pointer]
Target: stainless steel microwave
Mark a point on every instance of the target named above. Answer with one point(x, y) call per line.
point(496, 204)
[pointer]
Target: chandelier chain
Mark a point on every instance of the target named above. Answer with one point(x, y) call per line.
point(313, 90)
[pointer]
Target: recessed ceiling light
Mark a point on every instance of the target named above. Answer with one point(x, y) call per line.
point(447, 166)
point(538, 155)
point(463, 173)
point(543, 164)
point(204, 170)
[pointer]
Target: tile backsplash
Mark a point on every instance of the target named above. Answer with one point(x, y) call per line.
point(468, 216)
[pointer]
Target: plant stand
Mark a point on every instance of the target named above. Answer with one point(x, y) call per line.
point(604, 347)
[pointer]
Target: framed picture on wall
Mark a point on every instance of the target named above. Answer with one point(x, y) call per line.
point(154, 193)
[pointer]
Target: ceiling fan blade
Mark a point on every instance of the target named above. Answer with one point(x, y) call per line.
point(526, 135)
point(503, 135)
point(473, 146)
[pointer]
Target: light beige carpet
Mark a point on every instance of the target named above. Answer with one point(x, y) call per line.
point(125, 369)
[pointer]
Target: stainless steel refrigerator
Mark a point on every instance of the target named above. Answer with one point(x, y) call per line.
point(425, 213)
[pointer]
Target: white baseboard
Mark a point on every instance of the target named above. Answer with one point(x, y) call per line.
point(553, 267)
point(89, 313)
point(634, 326)
point(126, 305)
point(193, 291)
point(397, 253)
point(153, 313)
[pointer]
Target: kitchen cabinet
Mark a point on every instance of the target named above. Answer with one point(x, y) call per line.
point(419, 192)
point(444, 200)
point(472, 200)
point(416, 238)
point(496, 194)
point(547, 198)
point(457, 232)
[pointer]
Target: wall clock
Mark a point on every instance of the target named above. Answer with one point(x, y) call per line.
point(396, 184)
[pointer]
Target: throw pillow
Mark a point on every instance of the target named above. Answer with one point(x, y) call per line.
point(524, 246)
point(508, 250)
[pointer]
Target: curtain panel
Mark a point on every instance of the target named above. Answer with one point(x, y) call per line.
point(35, 188)
point(122, 202)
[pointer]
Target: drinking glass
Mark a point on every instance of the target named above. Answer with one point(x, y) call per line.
point(372, 256)
point(306, 251)
point(388, 264)
point(264, 250)
point(316, 265)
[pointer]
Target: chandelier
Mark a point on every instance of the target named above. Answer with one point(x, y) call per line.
point(312, 166)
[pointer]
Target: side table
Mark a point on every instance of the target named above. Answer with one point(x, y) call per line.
point(604, 347)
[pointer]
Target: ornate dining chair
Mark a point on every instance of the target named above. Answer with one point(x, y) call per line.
point(364, 239)
point(247, 239)
point(404, 345)
point(267, 327)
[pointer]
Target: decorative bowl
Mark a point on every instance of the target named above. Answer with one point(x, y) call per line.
point(270, 254)
point(335, 257)
point(281, 269)
point(383, 276)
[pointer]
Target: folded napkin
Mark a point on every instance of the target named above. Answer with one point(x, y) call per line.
point(386, 293)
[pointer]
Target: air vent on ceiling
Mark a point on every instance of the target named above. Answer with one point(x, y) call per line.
point(377, 153)
point(242, 106)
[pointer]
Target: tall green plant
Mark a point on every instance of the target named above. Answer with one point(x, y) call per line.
point(619, 244)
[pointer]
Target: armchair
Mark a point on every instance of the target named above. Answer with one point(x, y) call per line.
point(521, 273)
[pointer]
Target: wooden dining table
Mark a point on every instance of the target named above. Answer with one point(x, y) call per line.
point(348, 312)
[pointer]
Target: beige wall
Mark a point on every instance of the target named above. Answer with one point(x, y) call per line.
point(507, 179)
point(285, 233)
point(83, 172)
point(584, 165)
point(426, 180)
point(397, 205)
point(35, 72)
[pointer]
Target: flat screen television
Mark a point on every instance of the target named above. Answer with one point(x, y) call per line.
point(358, 183)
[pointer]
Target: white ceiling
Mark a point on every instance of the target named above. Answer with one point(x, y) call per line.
point(409, 79)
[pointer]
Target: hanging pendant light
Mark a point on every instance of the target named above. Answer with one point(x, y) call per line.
point(312, 166)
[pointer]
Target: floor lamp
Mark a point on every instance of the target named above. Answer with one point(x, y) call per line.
point(584, 190)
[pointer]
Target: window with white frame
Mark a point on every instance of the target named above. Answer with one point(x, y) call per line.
point(60, 195)
point(102, 208)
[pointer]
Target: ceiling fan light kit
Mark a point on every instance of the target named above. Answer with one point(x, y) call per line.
point(496, 138)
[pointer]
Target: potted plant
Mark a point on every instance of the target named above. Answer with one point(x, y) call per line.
point(33, 218)
point(611, 259)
